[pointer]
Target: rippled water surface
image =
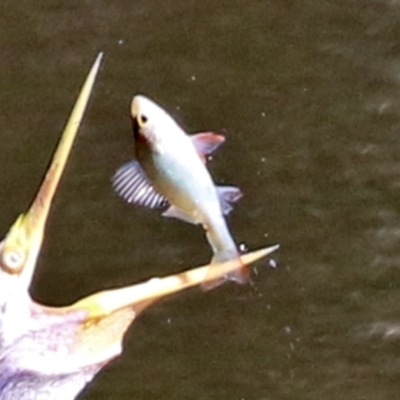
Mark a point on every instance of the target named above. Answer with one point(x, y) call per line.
point(308, 93)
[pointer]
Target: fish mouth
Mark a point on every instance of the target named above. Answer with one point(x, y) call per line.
point(138, 135)
point(136, 128)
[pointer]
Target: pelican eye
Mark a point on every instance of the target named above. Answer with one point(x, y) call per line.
point(12, 260)
point(142, 120)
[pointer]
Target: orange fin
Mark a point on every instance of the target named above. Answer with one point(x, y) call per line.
point(206, 143)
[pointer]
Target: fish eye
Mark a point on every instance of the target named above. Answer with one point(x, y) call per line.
point(12, 260)
point(142, 119)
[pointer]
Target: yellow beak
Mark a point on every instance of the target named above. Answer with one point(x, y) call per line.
point(20, 248)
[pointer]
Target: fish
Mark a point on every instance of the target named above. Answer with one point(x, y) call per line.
point(170, 172)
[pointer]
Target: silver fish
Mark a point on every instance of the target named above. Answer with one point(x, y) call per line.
point(169, 171)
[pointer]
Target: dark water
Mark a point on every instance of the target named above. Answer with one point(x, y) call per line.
point(309, 95)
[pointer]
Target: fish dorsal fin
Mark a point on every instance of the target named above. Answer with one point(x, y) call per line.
point(131, 183)
point(207, 142)
point(227, 196)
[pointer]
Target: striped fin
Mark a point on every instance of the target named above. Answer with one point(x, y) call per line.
point(131, 183)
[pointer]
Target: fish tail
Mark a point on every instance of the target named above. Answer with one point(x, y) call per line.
point(240, 275)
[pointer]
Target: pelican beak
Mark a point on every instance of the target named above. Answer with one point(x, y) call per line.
point(20, 248)
point(107, 315)
point(104, 303)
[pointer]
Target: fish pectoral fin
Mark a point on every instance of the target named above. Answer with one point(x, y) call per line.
point(206, 142)
point(131, 183)
point(174, 212)
point(227, 196)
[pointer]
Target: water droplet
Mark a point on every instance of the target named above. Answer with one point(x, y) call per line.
point(243, 247)
point(272, 263)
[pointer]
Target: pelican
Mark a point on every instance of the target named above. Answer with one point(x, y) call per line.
point(53, 352)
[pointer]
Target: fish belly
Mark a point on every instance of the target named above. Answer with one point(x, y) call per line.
point(185, 182)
